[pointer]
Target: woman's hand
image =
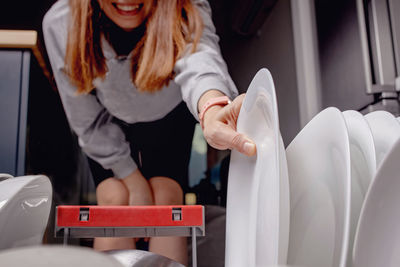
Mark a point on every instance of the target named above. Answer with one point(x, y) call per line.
point(219, 125)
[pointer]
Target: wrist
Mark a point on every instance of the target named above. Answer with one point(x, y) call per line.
point(209, 114)
point(213, 104)
point(206, 96)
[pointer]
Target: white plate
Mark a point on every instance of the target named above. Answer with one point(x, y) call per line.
point(141, 258)
point(363, 166)
point(56, 255)
point(385, 130)
point(377, 241)
point(25, 204)
point(5, 176)
point(258, 191)
point(319, 176)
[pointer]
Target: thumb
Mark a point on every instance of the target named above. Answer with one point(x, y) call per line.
point(242, 143)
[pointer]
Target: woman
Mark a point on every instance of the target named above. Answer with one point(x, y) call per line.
point(132, 74)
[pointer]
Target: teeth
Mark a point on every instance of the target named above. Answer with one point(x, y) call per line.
point(127, 7)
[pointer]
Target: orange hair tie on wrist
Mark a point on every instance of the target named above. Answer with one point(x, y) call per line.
point(222, 101)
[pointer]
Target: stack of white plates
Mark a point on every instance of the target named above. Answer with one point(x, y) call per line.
point(324, 235)
point(319, 178)
point(332, 179)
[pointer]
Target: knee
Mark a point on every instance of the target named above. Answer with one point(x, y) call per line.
point(112, 192)
point(166, 191)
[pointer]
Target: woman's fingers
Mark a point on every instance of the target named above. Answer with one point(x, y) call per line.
point(230, 113)
point(220, 129)
point(238, 141)
point(224, 137)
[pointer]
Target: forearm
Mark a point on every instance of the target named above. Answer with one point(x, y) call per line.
point(200, 72)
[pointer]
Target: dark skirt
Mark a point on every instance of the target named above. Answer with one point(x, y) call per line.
point(159, 148)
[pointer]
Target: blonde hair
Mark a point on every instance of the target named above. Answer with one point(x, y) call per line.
point(171, 25)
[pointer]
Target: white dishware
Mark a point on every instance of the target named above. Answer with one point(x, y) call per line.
point(56, 255)
point(25, 204)
point(141, 258)
point(319, 177)
point(363, 167)
point(5, 176)
point(258, 191)
point(385, 130)
point(377, 241)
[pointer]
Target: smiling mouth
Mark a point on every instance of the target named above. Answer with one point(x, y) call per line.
point(128, 9)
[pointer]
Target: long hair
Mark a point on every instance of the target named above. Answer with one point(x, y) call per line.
point(171, 25)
